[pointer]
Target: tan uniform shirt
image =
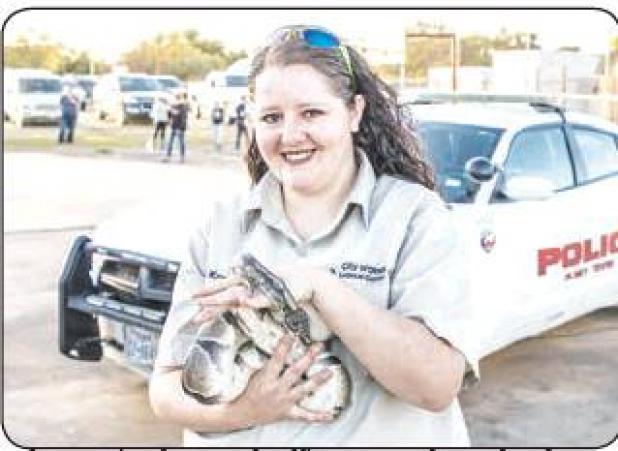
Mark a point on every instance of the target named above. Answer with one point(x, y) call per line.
point(394, 242)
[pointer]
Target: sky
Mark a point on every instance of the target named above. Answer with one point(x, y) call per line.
point(108, 33)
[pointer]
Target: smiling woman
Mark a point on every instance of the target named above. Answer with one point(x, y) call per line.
point(342, 213)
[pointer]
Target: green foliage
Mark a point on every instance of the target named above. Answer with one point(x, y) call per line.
point(44, 54)
point(39, 55)
point(183, 54)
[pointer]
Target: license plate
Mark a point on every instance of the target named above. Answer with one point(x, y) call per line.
point(140, 346)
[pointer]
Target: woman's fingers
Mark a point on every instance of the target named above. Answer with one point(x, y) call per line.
point(294, 373)
point(311, 385)
point(275, 364)
point(298, 413)
point(205, 314)
point(229, 296)
point(216, 285)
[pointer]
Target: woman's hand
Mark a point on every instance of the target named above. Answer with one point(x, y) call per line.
point(273, 393)
point(220, 295)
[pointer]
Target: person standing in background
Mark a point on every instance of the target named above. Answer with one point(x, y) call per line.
point(160, 118)
point(216, 118)
point(179, 113)
point(241, 125)
point(68, 118)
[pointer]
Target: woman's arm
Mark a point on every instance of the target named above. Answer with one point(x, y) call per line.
point(400, 353)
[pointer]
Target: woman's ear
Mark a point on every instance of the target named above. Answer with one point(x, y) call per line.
point(356, 112)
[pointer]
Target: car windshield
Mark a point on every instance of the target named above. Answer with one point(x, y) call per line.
point(448, 147)
point(128, 84)
point(234, 81)
point(40, 85)
point(168, 83)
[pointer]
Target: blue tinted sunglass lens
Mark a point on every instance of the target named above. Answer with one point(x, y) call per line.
point(320, 39)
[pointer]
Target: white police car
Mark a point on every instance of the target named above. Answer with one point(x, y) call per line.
point(533, 189)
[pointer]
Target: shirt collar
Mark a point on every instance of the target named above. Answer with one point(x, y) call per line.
point(265, 198)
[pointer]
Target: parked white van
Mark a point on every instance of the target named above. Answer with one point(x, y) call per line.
point(123, 96)
point(31, 96)
point(226, 87)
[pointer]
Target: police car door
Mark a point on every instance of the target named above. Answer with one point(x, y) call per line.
point(595, 152)
point(528, 294)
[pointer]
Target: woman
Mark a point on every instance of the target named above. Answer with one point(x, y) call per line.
point(341, 203)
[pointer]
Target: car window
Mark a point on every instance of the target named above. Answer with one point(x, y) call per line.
point(598, 151)
point(234, 81)
point(40, 85)
point(128, 84)
point(541, 152)
point(168, 83)
point(448, 147)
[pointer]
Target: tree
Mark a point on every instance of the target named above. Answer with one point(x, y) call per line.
point(44, 54)
point(182, 54)
point(39, 55)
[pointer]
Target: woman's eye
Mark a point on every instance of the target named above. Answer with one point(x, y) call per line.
point(270, 118)
point(312, 113)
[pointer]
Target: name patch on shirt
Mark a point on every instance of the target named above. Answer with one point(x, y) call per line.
point(352, 270)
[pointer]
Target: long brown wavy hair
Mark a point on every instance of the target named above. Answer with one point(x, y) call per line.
point(387, 139)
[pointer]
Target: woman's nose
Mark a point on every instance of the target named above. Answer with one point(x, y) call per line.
point(292, 132)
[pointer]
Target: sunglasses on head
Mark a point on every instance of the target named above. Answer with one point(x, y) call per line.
point(315, 37)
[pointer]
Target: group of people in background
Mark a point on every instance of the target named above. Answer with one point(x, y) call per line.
point(176, 115)
point(165, 112)
point(217, 120)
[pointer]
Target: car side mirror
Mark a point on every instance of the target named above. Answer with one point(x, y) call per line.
point(526, 187)
point(480, 169)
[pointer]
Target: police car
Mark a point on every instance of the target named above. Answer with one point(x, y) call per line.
point(533, 189)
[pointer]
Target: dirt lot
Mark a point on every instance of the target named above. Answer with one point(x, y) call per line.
point(552, 391)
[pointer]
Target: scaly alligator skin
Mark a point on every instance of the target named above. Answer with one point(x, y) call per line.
point(228, 351)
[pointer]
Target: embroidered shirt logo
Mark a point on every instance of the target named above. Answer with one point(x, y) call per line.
point(351, 270)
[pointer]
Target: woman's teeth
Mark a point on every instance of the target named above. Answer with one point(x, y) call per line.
point(298, 157)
